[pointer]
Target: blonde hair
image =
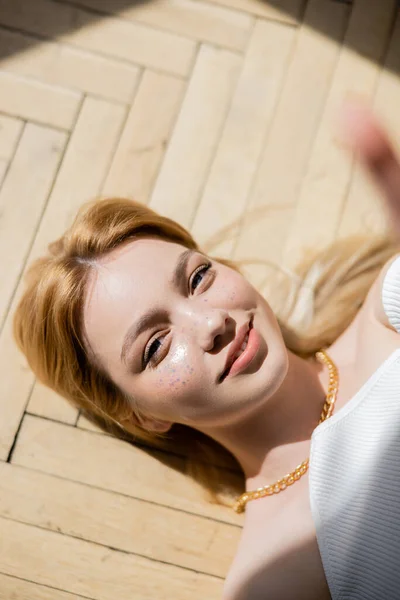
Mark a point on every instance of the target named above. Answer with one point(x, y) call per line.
point(313, 306)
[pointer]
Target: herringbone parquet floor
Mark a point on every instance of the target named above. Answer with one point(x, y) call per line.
point(210, 112)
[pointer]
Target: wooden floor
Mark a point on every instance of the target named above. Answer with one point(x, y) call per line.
point(214, 113)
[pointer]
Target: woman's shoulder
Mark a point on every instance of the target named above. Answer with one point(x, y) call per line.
point(278, 555)
point(384, 295)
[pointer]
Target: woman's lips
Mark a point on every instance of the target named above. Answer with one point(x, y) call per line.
point(251, 350)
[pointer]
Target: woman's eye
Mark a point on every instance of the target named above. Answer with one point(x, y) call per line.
point(201, 270)
point(153, 349)
point(149, 355)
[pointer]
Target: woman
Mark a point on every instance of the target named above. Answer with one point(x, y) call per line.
point(156, 342)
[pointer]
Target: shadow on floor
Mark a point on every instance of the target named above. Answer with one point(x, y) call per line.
point(40, 20)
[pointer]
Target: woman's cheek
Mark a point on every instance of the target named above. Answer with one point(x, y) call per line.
point(177, 374)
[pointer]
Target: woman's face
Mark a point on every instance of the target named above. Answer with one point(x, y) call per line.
point(171, 367)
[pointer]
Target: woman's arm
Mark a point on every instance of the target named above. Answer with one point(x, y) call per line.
point(363, 132)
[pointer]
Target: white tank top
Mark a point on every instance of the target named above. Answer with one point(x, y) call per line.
point(354, 475)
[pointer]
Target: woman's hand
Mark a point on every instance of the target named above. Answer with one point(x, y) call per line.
point(363, 132)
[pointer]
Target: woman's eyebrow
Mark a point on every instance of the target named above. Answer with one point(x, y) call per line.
point(151, 317)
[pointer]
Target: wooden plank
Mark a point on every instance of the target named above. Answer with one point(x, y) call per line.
point(3, 169)
point(111, 37)
point(142, 144)
point(32, 172)
point(241, 142)
point(196, 134)
point(12, 588)
point(323, 191)
point(84, 423)
point(10, 132)
point(36, 101)
point(119, 522)
point(108, 463)
point(45, 402)
point(284, 11)
point(364, 210)
point(198, 20)
point(84, 167)
point(93, 571)
point(80, 177)
point(270, 209)
point(57, 64)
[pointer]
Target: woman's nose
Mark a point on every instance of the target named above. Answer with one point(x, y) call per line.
point(212, 324)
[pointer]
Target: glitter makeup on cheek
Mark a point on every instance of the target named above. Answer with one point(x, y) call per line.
point(169, 379)
point(173, 376)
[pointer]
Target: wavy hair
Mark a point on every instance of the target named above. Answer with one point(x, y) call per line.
point(313, 306)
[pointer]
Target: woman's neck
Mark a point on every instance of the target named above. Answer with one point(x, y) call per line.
point(273, 440)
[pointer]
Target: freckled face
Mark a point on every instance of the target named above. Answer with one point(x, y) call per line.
point(172, 367)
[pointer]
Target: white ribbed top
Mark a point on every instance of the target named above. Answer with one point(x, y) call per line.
point(354, 474)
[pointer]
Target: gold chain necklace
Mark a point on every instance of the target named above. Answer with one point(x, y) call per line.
point(290, 478)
